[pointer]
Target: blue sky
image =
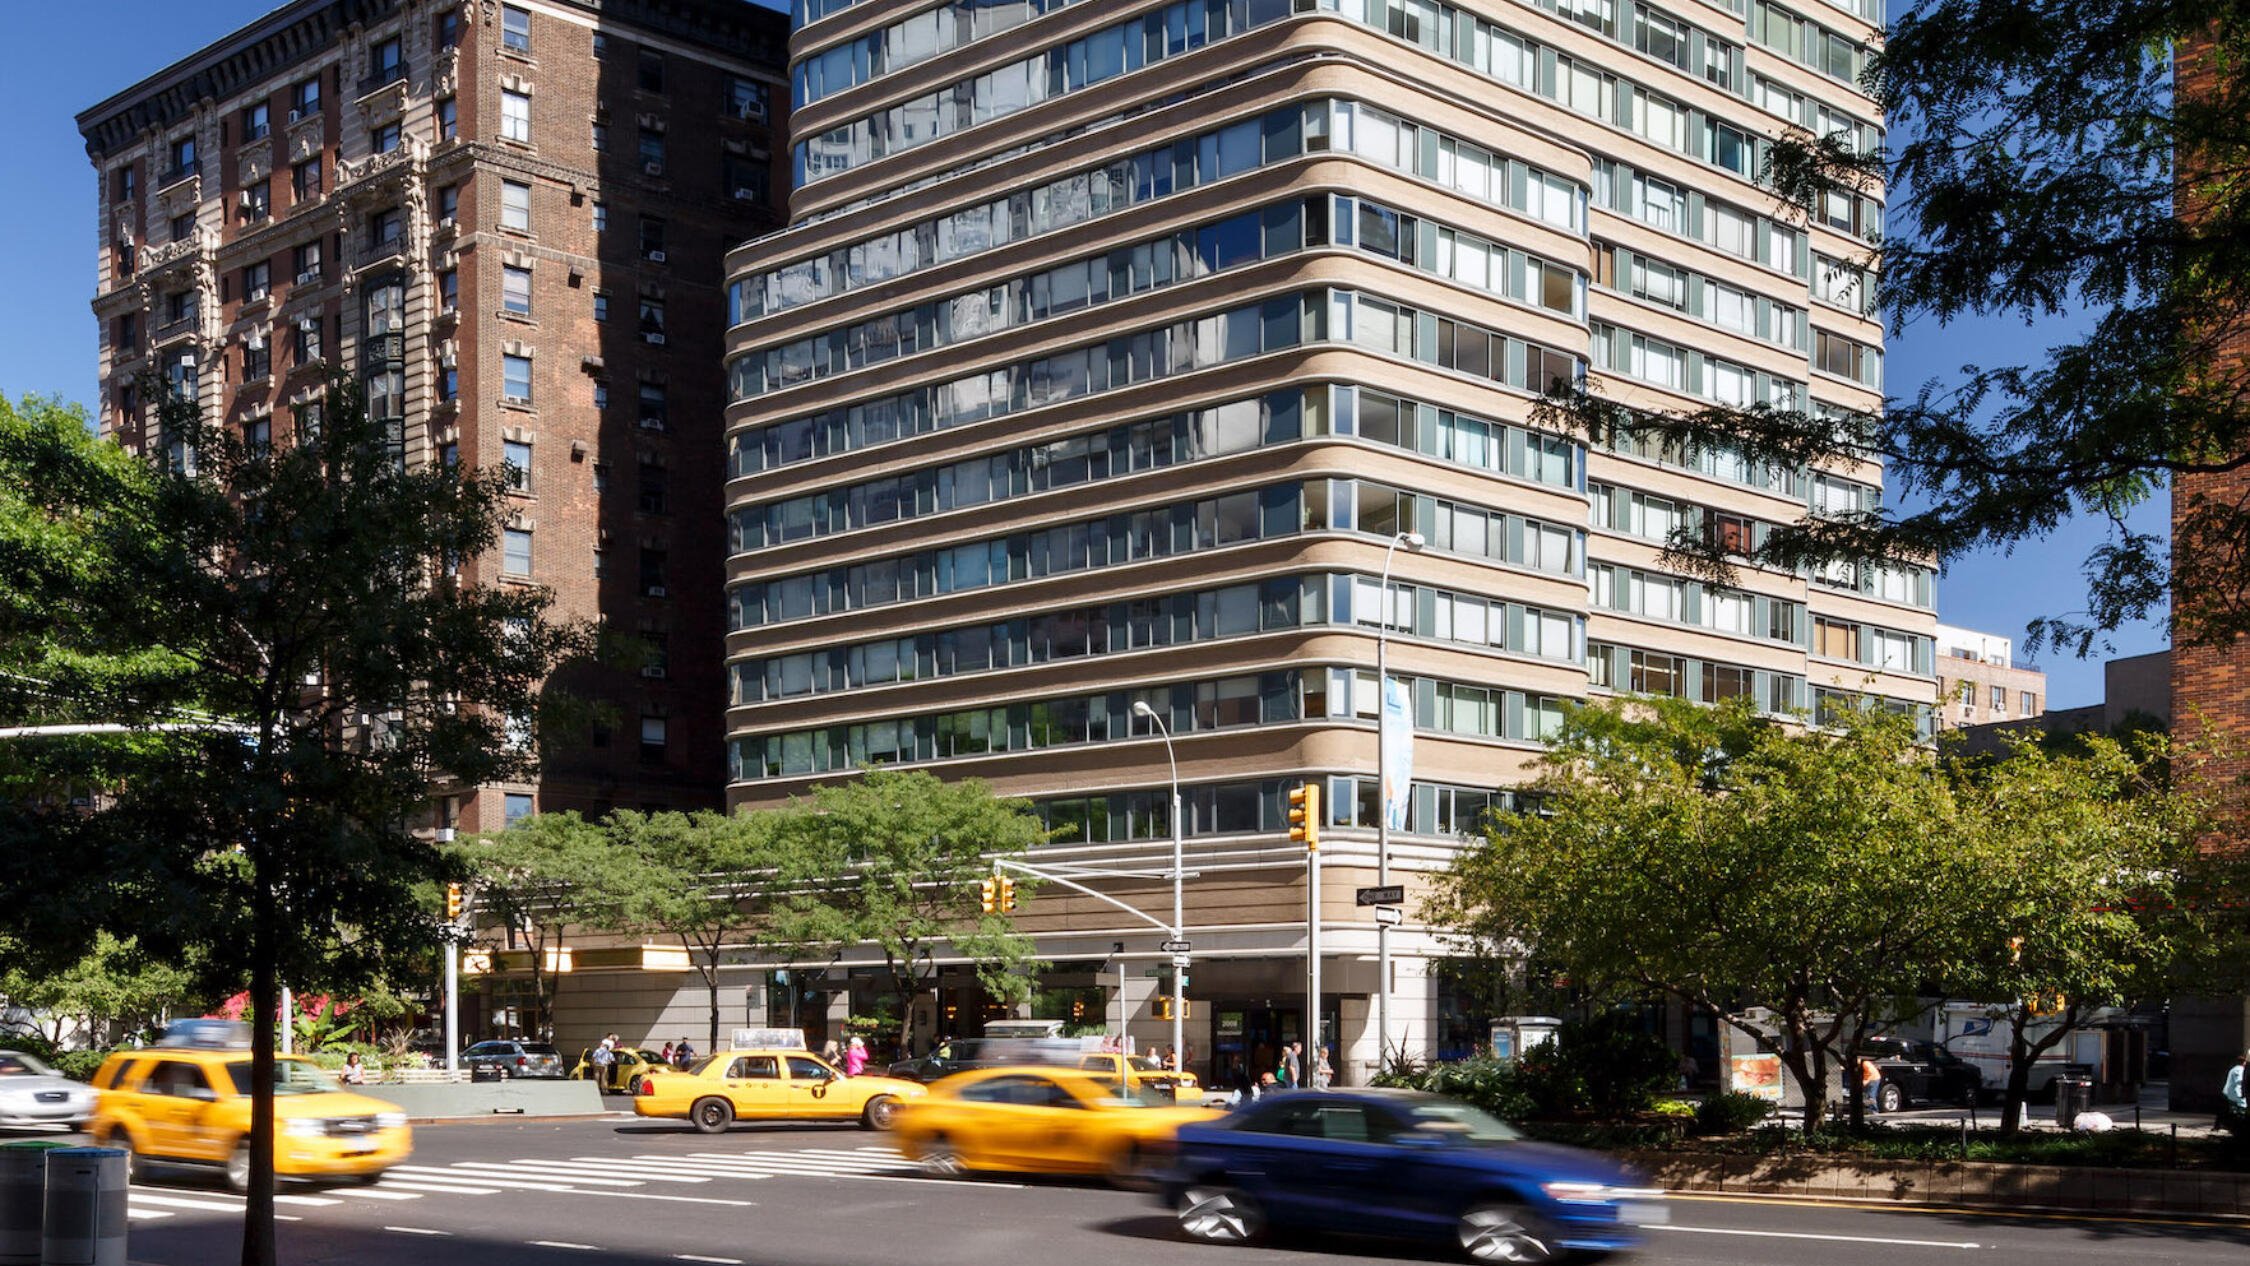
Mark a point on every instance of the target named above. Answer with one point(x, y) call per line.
point(92, 49)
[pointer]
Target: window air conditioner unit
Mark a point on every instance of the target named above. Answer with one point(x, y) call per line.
point(308, 276)
point(653, 337)
point(296, 116)
point(653, 169)
point(656, 591)
point(653, 670)
point(746, 195)
point(243, 200)
point(652, 424)
point(656, 257)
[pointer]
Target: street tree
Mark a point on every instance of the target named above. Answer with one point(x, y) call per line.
point(714, 881)
point(536, 880)
point(907, 852)
point(1731, 862)
point(2041, 167)
point(114, 994)
point(2090, 890)
point(310, 603)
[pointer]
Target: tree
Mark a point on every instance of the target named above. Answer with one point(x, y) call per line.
point(908, 852)
point(2042, 165)
point(538, 878)
point(1728, 861)
point(2090, 887)
point(115, 993)
point(301, 606)
point(713, 880)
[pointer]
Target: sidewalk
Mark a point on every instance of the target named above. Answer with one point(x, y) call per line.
point(2151, 1115)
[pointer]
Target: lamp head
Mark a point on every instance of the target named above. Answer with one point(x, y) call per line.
point(1141, 708)
point(1413, 540)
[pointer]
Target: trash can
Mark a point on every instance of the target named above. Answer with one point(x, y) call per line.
point(2073, 1095)
point(86, 1210)
point(23, 1199)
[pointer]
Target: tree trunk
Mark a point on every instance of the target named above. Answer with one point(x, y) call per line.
point(265, 1002)
point(711, 982)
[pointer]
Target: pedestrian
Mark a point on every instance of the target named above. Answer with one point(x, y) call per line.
point(1324, 1069)
point(1265, 1085)
point(2232, 1113)
point(855, 1058)
point(666, 1055)
point(355, 1073)
point(683, 1055)
point(604, 1061)
point(1291, 1074)
point(829, 1054)
point(1870, 1080)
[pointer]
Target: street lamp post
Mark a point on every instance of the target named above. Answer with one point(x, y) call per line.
point(1179, 916)
point(1412, 541)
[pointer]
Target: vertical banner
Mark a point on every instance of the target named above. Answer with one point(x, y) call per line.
point(1398, 751)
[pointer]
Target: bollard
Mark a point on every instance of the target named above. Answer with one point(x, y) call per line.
point(23, 1200)
point(85, 1208)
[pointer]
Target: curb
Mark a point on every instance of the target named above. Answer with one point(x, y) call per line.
point(510, 1118)
point(2030, 1211)
point(1959, 1185)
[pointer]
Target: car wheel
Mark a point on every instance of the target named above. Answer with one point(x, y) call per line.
point(940, 1159)
point(1890, 1098)
point(633, 1087)
point(1504, 1232)
point(711, 1116)
point(238, 1166)
point(880, 1112)
point(1219, 1215)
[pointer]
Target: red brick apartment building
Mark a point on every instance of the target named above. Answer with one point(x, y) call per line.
point(508, 220)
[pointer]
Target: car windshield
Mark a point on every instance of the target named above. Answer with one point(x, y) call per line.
point(290, 1077)
point(702, 1065)
point(1147, 1064)
point(1446, 1119)
point(1116, 1096)
point(17, 1064)
point(530, 1049)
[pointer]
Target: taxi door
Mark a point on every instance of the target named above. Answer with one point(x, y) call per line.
point(755, 1086)
point(177, 1102)
point(813, 1090)
point(1045, 1127)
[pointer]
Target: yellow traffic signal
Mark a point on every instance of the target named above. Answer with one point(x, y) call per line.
point(990, 899)
point(452, 903)
point(1007, 894)
point(1304, 815)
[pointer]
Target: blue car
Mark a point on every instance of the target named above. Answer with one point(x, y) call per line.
point(1405, 1165)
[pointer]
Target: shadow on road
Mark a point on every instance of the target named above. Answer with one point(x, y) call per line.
point(1159, 1228)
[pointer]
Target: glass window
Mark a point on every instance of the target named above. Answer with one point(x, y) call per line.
point(515, 459)
point(516, 806)
point(515, 377)
point(515, 554)
point(515, 116)
point(515, 290)
point(515, 29)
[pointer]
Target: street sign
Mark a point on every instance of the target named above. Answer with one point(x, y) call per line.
point(1387, 896)
point(1179, 962)
point(1389, 915)
point(1175, 947)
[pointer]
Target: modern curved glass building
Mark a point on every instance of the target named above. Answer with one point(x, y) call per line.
point(1111, 347)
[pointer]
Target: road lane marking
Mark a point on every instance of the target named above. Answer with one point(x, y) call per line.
point(584, 1248)
point(416, 1230)
point(1904, 1208)
point(447, 1181)
point(473, 1170)
point(180, 1202)
point(317, 1202)
point(698, 1257)
point(439, 1188)
point(1808, 1235)
point(606, 1171)
point(370, 1193)
point(144, 1215)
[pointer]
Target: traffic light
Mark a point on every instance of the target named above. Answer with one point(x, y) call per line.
point(1007, 894)
point(1164, 1007)
point(1304, 815)
point(990, 894)
point(453, 903)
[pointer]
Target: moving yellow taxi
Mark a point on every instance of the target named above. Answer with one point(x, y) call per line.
point(769, 1085)
point(1143, 1072)
point(1040, 1120)
point(192, 1106)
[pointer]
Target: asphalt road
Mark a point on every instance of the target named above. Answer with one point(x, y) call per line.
point(628, 1193)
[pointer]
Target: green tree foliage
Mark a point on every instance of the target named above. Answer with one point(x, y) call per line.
point(303, 596)
point(540, 877)
point(1729, 862)
point(716, 882)
point(2091, 890)
point(2040, 159)
point(907, 852)
point(114, 994)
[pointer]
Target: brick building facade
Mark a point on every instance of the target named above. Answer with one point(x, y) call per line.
point(507, 221)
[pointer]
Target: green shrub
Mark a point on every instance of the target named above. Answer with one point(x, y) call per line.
point(1731, 1113)
point(78, 1065)
point(1602, 1066)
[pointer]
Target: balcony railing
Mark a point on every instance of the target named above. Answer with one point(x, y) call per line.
point(155, 257)
point(375, 166)
point(381, 249)
point(382, 78)
point(174, 175)
point(175, 327)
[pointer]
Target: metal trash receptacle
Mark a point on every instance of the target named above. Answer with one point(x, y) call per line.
point(2073, 1095)
point(23, 1199)
point(85, 1207)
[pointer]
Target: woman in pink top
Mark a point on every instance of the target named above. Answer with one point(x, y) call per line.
point(855, 1058)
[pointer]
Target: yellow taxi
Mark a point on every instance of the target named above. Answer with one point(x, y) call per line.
point(1143, 1072)
point(191, 1105)
point(625, 1072)
point(776, 1084)
point(1040, 1120)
